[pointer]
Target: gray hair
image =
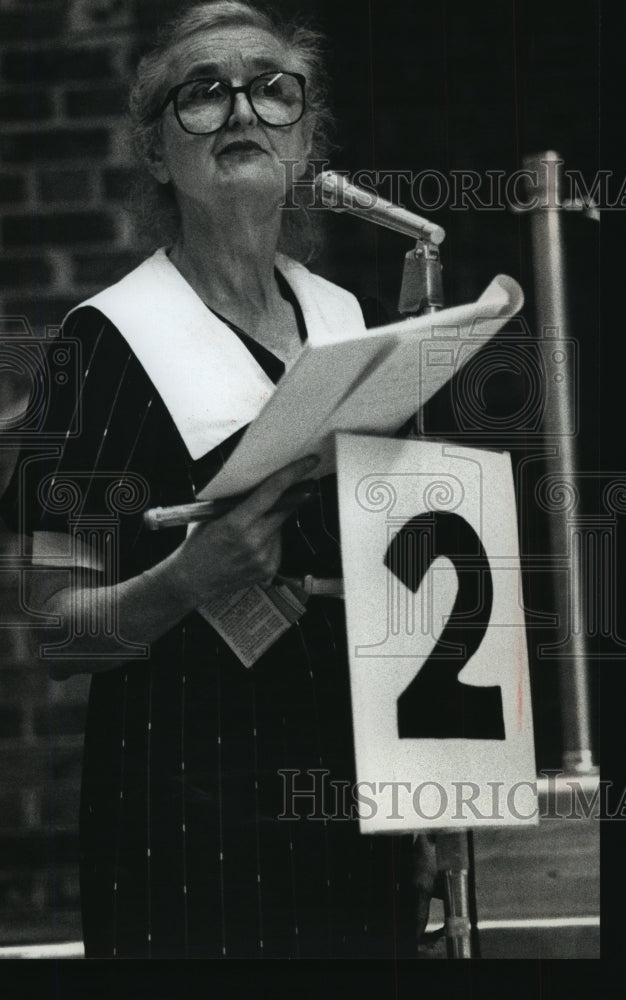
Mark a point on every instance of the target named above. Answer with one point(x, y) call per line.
point(153, 204)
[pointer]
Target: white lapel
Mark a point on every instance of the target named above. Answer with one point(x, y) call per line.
point(329, 312)
point(208, 380)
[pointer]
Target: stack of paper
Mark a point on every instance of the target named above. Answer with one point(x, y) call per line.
point(372, 383)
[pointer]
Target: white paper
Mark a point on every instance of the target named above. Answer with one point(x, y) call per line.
point(373, 382)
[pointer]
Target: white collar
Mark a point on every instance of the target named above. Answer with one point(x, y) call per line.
point(208, 380)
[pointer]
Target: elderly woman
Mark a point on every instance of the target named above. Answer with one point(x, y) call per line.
point(192, 841)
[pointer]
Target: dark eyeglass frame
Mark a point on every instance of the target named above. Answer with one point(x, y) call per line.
point(172, 97)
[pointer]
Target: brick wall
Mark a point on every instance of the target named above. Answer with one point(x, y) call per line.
point(66, 162)
point(65, 173)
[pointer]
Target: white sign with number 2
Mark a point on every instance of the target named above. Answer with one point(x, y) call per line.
point(438, 659)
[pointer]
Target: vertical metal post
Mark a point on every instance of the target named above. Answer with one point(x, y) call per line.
point(551, 310)
point(453, 863)
point(421, 293)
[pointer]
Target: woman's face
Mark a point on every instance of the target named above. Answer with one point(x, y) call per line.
point(202, 168)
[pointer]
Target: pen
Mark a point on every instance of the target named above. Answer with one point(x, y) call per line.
point(206, 510)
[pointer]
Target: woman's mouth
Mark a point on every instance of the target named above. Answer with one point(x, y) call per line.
point(241, 146)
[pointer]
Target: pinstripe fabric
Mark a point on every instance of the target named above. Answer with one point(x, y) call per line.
point(182, 854)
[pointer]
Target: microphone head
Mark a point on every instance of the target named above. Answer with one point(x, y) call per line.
point(337, 193)
point(327, 189)
point(326, 181)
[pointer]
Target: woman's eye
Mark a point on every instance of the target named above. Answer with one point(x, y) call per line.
point(274, 91)
point(205, 92)
point(268, 89)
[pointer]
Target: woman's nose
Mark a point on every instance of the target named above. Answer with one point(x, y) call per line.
point(243, 112)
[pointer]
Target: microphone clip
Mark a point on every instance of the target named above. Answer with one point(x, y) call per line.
point(422, 283)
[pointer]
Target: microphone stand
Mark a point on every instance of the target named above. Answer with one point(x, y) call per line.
point(422, 285)
point(444, 856)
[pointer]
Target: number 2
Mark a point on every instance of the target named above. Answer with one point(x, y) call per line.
point(436, 705)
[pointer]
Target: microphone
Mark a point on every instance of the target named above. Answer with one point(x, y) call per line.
point(336, 193)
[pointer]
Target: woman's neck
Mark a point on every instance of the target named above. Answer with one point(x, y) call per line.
point(230, 261)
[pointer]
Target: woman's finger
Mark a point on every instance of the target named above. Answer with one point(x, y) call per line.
point(265, 496)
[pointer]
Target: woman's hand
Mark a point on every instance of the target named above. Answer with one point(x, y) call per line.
point(241, 547)
point(236, 550)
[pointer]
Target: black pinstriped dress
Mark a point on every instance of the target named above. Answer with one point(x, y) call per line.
point(182, 850)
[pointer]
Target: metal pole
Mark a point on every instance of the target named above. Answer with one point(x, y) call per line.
point(453, 863)
point(421, 293)
point(551, 310)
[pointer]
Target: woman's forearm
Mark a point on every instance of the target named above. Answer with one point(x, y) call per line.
point(233, 551)
point(139, 610)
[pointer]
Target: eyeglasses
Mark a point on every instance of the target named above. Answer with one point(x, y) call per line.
point(203, 106)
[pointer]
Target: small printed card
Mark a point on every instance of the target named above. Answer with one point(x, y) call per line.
point(251, 620)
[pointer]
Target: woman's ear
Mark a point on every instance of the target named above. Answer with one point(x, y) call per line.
point(156, 164)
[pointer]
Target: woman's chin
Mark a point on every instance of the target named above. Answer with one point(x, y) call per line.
point(248, 174)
